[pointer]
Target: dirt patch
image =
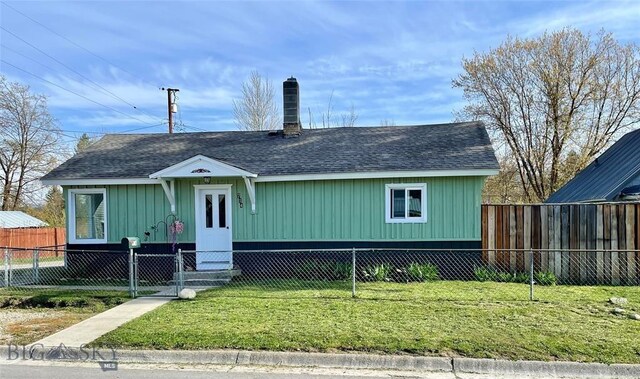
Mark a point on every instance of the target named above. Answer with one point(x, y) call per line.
point(23, 326)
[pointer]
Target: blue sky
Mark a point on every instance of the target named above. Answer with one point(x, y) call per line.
point(390, 60)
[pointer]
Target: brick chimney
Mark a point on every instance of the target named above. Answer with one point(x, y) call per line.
point(291, 106)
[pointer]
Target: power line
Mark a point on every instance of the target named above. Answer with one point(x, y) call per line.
point(74, 71)
point(73, 92)
point(76, 44)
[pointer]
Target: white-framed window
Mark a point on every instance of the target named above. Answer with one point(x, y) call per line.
point(88, 215)
point(406, 202)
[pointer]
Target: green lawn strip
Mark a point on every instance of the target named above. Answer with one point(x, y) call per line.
point(16, 261)
point(483, 320)
point(92, 301)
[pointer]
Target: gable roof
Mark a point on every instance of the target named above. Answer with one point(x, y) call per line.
point(17, 219)
point(605, 177)
point(459, 146)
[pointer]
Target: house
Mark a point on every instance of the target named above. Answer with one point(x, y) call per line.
point(399, 186)
point(613, 176)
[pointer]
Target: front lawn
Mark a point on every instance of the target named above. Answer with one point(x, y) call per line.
point(446, 318)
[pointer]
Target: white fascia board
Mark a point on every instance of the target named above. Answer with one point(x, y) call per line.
point(97, 182)
point(207, 166)
point(377, 175)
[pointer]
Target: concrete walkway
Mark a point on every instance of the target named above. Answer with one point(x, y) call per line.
point(88, 330)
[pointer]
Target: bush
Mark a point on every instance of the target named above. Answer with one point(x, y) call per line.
point(545, 278)
point(377, 273)
point(425, 272)
point(316, 269)
point(485, 274)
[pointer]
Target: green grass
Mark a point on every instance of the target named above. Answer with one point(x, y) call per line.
point(17, 261)
point(472, 319)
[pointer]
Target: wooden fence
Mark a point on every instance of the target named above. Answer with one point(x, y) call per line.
point(30, 238)
point(586, 243)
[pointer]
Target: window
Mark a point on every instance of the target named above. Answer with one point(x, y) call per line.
point(88, 215)
point(406, 203)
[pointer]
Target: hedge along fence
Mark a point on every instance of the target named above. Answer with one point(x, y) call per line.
point(586, 243)
point(30, 238)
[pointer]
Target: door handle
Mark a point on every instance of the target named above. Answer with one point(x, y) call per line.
point(227, 227)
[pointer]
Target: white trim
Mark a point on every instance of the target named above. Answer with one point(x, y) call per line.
point(376, 175)
point(72, 211)
point(92, 182)
point(405, 186)
point(214, 168)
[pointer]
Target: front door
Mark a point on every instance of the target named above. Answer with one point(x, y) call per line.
point(213, 228)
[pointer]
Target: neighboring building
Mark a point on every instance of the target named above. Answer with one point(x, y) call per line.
point(613, 176)
point(17, 219)
point(394, 187)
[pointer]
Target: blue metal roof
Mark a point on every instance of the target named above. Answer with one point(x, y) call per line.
point(17, 219)
point(605, 177)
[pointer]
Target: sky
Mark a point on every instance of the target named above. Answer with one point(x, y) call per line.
point(102, 64)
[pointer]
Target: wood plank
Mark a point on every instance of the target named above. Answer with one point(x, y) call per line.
point(485, 232)
point(557, 240)
point(615, 262)
point(622, 243)
point(630, 213)
point(544, 237)
point(520, 237)
point(606, 221)
point(498, 237)
point(512, 238)
point(582, 242)
point(592, 238)
point(600, 243)
point(491, 222)
point(566, 232)
point(527, 236)
point(506, 228)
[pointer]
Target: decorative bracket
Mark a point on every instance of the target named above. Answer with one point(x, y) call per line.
point(251, 189)
point(170, 192)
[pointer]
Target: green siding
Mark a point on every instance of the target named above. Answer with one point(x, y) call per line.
point(348, 210)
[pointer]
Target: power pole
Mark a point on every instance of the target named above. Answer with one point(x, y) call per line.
point(171, 95)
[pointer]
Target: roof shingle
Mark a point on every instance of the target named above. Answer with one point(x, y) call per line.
point(459, 146)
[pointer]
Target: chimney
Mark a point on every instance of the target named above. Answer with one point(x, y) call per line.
point(291, 106)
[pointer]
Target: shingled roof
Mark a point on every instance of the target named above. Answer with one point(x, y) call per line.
point(605, 177)
point(458, 146)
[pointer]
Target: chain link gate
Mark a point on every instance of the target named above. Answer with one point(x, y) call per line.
point(156, 275)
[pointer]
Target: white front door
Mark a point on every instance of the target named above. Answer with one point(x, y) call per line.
point(213, 228)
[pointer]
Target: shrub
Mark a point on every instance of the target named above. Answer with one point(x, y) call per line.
point(317, 269)
point(377, 273)
point(342, 271)
point(545, 278)
point(484, 274)
point(425, 272)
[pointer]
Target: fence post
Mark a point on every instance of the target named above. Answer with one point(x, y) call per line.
point(6, 267)
point(180, 278)
point(131, 275)
point(531, 275)
point(353, 272)
point(36, 266)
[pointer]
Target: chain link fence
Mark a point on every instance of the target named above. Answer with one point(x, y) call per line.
point(509, 275)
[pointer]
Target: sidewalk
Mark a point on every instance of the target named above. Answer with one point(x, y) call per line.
point(88, 330)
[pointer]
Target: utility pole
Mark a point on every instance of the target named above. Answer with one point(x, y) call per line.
point(171, 96)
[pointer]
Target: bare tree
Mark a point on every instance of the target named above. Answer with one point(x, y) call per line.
point(257, 109)
point(560, 93)
point(387, 122)
point(29, 142)
point(330, 120)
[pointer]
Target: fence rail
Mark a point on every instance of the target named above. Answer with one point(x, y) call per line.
point(337, 272)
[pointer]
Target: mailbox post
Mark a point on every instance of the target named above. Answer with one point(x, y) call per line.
point(132, 243)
